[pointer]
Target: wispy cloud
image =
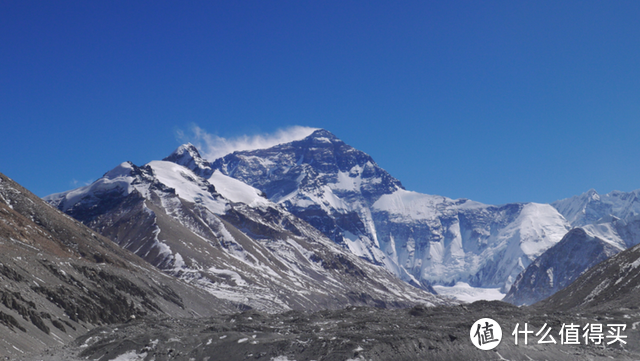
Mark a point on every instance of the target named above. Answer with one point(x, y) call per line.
point(74, 182)
point(213, 147)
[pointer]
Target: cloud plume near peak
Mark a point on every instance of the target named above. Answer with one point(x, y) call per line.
point(213, 147)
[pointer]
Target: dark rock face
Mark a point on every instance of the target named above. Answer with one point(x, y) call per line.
point(187, 155)
point(559, 266)
point(308, 164)
point(317, 160)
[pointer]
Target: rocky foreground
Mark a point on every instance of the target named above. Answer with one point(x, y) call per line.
point(355, 333)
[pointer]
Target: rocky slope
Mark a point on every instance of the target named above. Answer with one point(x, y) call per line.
point(59, 279)
point(421, 238)
point(221, 235)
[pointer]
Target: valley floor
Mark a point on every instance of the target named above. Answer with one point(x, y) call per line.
point(355, 333)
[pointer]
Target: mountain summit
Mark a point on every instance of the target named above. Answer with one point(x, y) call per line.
point(188, 155)
point(421, 238)
point(591, 207)
point(319, 160)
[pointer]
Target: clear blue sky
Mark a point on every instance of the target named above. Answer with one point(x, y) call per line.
point(496, 101)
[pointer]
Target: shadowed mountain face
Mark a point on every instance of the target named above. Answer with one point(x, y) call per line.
point(559, 266)
point(222, 236)
point(58, 278)
point(612, 285)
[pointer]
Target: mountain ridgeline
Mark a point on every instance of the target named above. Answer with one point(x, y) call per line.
point(278, 218)
point(224, 237)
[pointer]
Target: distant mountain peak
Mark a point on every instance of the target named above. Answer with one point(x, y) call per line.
point(315, 161)
point(589, 207)
point(188, 156)
point(123, 169)
point(592, 194)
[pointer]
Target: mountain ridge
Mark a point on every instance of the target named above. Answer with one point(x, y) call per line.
point(422, 239)
point(254, 254)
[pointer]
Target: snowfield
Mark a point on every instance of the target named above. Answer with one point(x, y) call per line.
point(465, 293)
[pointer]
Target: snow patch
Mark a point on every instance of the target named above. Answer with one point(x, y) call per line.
point(130, 356)
point(228, 273)
point(412, 205)
point(237, 191)
point(596, 291)
point(187, 185)
point(464, 292)
point(540, 227)
point(607, 233)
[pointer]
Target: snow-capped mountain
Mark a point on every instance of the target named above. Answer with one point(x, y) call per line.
point(223, 236)
point(579, 250)
point(590, 207)
point(423, 239)
point(605, 225)
point(322, 182)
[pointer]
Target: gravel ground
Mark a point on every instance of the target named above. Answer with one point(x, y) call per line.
point(418, 333)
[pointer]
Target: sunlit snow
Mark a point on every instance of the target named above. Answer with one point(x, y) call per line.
point(185, 183)
point(235, 190)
